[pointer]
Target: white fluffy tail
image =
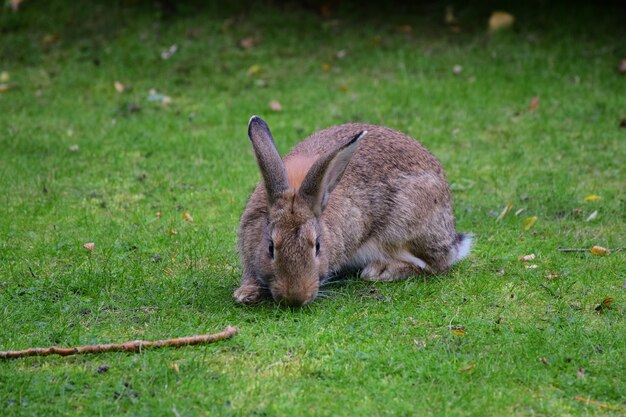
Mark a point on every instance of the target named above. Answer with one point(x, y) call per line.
point(461, 247)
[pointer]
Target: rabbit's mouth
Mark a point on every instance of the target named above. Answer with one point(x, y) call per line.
point(293, 297)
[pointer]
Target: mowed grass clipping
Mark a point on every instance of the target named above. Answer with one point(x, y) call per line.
point(81, 162)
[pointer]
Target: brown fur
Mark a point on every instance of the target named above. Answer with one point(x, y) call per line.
point(297, 168)
point(389, 216)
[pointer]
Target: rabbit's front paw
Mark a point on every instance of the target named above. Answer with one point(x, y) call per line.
point(247, 294)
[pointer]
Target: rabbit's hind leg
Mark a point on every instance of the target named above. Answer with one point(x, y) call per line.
point(403, 266)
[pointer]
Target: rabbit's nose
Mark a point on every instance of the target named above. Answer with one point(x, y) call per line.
point(293, 299)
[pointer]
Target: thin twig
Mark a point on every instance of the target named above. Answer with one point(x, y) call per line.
point(598, 403)
point(132, 346)
point(588, 249)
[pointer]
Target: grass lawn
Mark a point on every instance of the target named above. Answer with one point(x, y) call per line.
point(81, 162)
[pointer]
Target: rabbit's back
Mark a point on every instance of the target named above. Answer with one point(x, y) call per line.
point(383, 152)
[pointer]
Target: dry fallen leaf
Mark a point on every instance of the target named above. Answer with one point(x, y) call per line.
point(552, 276)
point(529, 222)
point(119, 87)
point(341, 54)
point(167, 53)
point(519, 211)
point(504, 212)
point(175, 367)
point(605, 304)
point(50, 38)
point(534, 103)
point(581, 373)
point(599, 251)
point(592, 216)
point(4, 77)
point(187, 216)
point(527, 258)
point(419, 344)
point(254, 69)
point(158, 214)
point(531, 266)
point(248, 43)
point(6, 87)
point(544, 360)
point(457, 69)
point(500, 20)
point(326, 67)
point(89, 246)
point(275, 105)
point(468, 368)
point(173, 232)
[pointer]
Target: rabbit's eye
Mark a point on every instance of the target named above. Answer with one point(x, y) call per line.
point(317, 246)
point(271, 249)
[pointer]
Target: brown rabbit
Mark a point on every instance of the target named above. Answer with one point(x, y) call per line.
point(353, 197)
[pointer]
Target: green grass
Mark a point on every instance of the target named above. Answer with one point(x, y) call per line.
point(381, 349)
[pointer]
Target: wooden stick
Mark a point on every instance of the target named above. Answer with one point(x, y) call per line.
point(132, 346)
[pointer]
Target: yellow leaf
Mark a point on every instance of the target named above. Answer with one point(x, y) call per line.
point(326, 67)
point(500, 20)
point(529, 222)
point(458, 332)
point(187, 216)
point(504, 212)
point(254, 70)
point(599, 251)
point(89, 246)
point(593, 197)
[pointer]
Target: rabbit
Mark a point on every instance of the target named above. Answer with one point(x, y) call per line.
point(354, 197)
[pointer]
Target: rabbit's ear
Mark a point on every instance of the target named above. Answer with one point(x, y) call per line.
point(325, 174)
point(270, 163)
